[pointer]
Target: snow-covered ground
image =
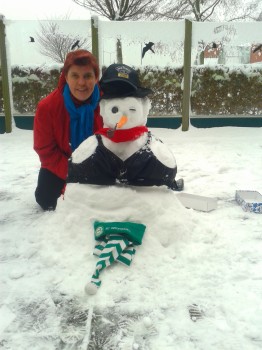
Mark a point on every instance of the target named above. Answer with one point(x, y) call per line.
point(211, 261)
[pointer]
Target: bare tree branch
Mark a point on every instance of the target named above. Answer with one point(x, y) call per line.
point(120, 10)
point(54, 44)
point(205, 10)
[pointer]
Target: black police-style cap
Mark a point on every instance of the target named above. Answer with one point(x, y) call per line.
point(120, 80)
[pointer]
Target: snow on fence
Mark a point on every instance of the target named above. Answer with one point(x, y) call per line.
point(197, 68)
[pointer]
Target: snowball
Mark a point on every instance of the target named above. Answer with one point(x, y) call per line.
point(91, 288)
point(16, 274)
point(147, 322)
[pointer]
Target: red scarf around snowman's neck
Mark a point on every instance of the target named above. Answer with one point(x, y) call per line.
point(123, 135)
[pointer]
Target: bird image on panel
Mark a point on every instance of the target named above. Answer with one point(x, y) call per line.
point(259, 47)
point(76, 44)
point(147, 47)
point(32, 40)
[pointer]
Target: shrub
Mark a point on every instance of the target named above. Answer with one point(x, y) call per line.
point(224, 90)
point(30, 85)
point(216, 90)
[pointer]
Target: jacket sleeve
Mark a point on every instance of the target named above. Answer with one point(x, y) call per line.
point(45, 144)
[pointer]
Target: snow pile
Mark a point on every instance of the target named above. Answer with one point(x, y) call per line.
point(206, 262)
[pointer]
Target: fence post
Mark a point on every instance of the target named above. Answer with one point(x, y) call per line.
point(187, 75)
point(95, 39)
point(5, 78)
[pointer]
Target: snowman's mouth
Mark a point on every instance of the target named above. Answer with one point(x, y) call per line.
point(122, 122)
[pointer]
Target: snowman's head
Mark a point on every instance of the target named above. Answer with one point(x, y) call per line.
point(123, 95)
point(135, 110)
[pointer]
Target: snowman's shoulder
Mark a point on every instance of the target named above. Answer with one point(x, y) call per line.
point(155, 140)
point(85, 149)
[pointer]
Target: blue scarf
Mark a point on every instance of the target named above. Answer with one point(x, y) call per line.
point(81, 118)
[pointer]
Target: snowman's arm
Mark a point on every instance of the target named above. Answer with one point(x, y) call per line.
point(92, 163)
point(162, 152)
point(85, 149)
point(77, 165)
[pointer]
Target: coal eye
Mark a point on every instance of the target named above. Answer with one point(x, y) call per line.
point(114, 109)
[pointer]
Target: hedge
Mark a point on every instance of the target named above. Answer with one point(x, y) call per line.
point(227, 91)
point(216, 90)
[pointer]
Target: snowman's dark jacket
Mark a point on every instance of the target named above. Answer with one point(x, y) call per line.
point(103, 167)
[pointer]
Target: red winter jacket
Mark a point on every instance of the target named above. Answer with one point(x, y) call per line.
point(52, 131)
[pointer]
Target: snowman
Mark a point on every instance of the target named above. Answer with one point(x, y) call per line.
point(124, 151)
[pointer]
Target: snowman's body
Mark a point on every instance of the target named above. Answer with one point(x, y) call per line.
point(138, 158)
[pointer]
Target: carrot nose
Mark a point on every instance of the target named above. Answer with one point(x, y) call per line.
point(122, 121)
